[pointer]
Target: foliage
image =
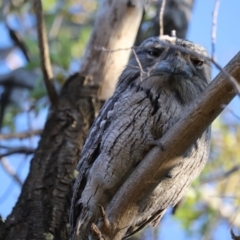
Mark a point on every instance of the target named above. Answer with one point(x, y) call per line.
point(69, 26)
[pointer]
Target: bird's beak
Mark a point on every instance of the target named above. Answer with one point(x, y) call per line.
point(173, 64)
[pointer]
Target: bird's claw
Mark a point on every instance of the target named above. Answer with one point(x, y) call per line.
point(96, 233)
point(99, 232)
point(104, 223)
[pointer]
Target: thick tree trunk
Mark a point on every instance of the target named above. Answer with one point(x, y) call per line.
point(115, 27)
point(42, 208)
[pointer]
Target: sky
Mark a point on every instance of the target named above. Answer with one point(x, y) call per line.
point(227, 45)
point(228, 35)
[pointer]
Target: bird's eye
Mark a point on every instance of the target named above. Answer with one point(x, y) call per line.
point(154, 52)
point(197, 62)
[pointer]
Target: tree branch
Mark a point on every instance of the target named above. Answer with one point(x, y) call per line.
point(20, 77)
point(124, 16)
point(20, 135)
point(10, 171)
point(156, 164)
point(161, 26)
point(214, 27)
point(177, 14)
point(20, 150)
point(176, 17)
point(221, 176)
point(44, 54)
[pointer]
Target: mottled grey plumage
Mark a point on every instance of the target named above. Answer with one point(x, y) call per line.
point(147, 101)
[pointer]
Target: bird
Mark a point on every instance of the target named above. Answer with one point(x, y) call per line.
point(163, 77)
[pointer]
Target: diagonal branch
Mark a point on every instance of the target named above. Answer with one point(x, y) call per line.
point(221, 176)
point(214, 27)
point(10, 171)
point(139, 64)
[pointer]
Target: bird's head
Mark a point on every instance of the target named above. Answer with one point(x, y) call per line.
point(171, 62)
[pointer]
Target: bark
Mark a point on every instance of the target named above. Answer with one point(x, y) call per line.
point(42, 209)
point(154, 167)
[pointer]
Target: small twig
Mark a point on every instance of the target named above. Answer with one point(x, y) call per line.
point(214, 27)
point(152, 68)
point(14, 35)
point(29, 123)
point(10, 171)
point(221, 176)
point(230, 78)
point(55, 26)
point(139, 64)
point(20, 150)
point(232, 112)
point(44, 54)
point(57, 22)
point(114, 50)
point(20, 135)
point(132, 66)
point(161, 26)
point(173, 33)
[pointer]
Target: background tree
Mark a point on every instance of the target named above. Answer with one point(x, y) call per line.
point(42, 209)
